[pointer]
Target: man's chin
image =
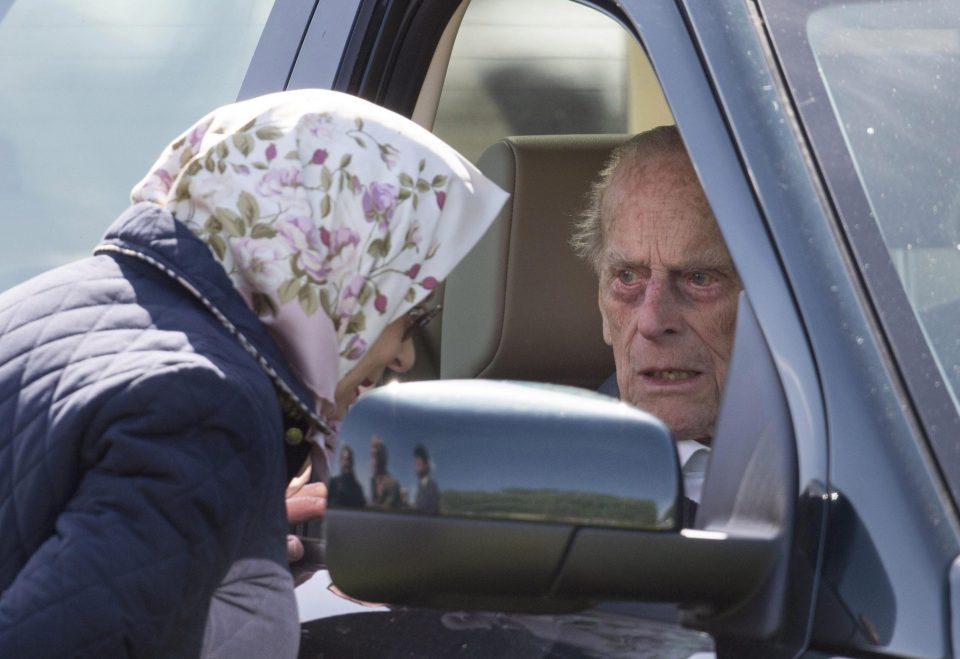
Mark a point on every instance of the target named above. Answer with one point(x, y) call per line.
point(684, 422)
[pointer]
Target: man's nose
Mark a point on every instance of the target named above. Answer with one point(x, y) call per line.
point(658, 313)
point(405, 358)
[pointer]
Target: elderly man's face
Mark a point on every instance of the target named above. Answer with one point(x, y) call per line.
point(668, 294)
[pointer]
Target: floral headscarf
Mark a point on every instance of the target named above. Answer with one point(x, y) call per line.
point(331, 215)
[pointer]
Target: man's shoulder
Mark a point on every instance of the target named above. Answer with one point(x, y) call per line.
point(610, 387)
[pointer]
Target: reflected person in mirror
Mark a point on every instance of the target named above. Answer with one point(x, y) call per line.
point(427, 497)
point(345, 489)
point(384, 488)
point(668, 289)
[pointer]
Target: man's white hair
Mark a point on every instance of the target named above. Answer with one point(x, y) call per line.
point(587, 238)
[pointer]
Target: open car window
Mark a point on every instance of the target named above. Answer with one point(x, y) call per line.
point(547, 68)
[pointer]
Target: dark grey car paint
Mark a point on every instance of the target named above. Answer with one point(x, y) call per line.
point(300, 46)
point(276, 52)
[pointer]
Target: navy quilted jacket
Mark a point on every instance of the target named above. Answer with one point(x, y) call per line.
point(141, 447)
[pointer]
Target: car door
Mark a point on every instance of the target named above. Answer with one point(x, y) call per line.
point(874, 532)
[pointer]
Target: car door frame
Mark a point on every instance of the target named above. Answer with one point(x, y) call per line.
point(380, 49)
point(276, 52)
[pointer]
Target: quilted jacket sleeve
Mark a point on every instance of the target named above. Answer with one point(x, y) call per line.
point(177, 465)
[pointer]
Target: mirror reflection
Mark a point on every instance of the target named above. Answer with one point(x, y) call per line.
point(385, 491)
point(505, 451)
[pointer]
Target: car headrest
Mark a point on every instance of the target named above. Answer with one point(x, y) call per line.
point(521, 305)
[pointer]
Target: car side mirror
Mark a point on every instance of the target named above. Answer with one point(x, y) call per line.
point(536, 490)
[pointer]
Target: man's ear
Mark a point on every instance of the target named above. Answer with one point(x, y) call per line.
point(606, 326)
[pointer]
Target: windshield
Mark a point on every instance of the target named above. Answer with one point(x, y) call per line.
point(892, 73)
point(93, 92)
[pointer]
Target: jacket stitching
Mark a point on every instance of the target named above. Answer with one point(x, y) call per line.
point(234, 331)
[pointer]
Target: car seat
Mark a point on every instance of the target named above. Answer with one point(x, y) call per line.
point(522, 305)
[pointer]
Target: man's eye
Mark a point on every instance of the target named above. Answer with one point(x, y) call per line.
point(627, 277)
point(701, 278)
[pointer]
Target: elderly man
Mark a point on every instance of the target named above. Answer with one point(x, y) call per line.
point(668, 288)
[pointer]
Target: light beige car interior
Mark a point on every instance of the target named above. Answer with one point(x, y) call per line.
point(521, 305)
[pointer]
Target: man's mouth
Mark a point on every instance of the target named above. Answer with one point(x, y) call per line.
point(670, 375)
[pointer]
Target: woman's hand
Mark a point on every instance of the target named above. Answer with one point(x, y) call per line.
point(305, 501)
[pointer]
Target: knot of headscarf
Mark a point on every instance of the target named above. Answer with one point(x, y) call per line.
point(332, 216)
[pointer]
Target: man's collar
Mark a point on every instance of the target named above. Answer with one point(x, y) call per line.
point(687, 447)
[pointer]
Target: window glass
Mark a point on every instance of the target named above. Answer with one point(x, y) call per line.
point(543, 67)
point(93, 91)
point(892, 73)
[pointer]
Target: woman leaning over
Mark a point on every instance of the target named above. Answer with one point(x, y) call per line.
point(156, 397)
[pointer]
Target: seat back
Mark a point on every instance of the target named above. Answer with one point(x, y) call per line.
point(522, 305)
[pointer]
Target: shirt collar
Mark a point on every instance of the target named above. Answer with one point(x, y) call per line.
point(687, 447)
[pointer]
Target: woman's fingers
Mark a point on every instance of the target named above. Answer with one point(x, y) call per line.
point(313, 490)
point(300, 480)
point(294, 549)
point(303, 508)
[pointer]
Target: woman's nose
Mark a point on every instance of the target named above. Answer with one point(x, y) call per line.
point(405, 358)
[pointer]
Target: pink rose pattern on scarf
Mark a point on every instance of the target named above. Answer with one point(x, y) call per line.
point(266, 239)
point(337, 212)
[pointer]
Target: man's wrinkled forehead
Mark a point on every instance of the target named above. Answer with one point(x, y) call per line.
point(659, 179)
point(659, 214)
